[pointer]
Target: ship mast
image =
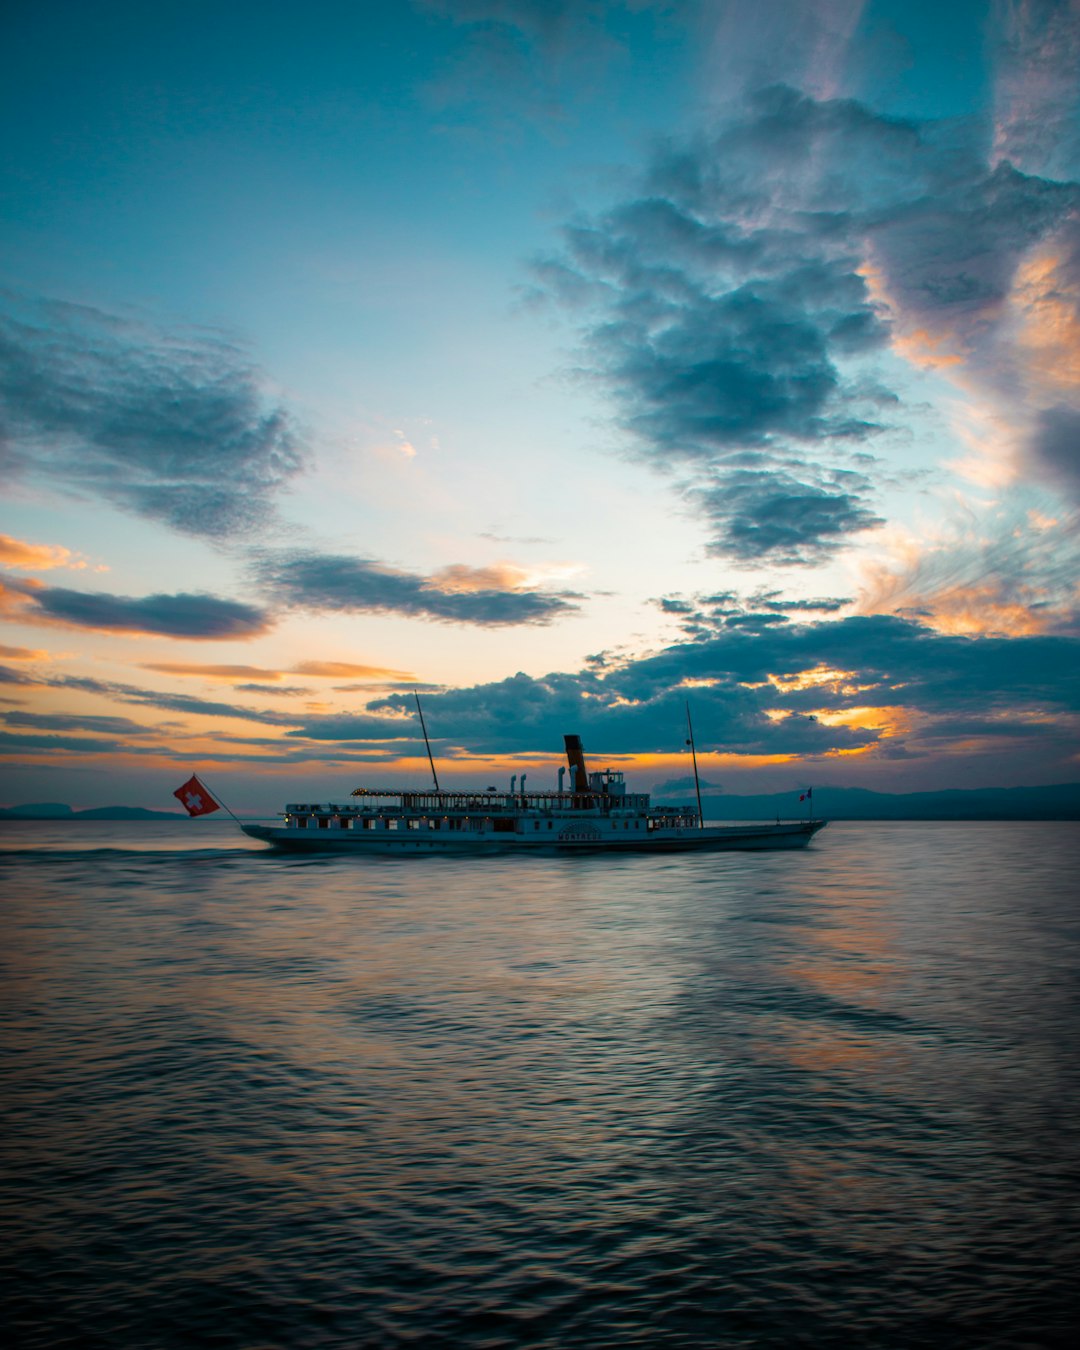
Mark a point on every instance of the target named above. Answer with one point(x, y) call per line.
point(427, 743)
point(693, 752)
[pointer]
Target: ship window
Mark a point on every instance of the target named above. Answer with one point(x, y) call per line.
point(414, 824)
point(324, 822)
point(344, 822)
point(369, 824)
point(536, 824)
point(392, 824)
point(551, 824)
point(301, 822)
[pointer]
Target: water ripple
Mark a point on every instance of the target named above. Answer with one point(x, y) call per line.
point(823, 1099)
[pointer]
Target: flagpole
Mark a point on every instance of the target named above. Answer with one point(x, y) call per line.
point(220, 801)
point(697, 781)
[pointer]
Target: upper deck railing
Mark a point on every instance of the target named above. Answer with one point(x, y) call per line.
point(443, 801)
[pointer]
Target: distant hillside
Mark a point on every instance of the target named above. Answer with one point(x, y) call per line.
point(1055, 802)
point(60, 811)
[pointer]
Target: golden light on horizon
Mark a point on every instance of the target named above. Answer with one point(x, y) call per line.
point(809, 679)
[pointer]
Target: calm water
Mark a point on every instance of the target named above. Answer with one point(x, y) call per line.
point(824, 1099)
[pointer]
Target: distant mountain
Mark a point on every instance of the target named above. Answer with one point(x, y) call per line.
point(60, 811)
point(1060, 801)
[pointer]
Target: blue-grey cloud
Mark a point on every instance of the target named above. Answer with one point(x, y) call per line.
point(1056, 446)
point(18, 742)
point(639, 706)
point(331, 583)
point(8, 675)
point(728, 310)
point(170, 426)
point(182, 703)
point(115, 726)
point(1036, 47)
point(188, 616)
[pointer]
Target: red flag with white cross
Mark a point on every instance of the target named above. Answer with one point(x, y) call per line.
point(195, 798)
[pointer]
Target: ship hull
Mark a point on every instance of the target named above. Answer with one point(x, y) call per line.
point(711, 838)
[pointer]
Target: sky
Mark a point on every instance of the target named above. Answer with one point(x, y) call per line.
point(564, 363)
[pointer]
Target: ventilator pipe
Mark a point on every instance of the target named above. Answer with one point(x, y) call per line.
point(523, 777)
point(513, 780)
point(562, 775)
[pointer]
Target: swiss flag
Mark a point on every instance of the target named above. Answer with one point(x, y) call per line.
point(195, 798)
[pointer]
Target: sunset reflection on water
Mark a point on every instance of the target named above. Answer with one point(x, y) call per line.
point(730, 1099)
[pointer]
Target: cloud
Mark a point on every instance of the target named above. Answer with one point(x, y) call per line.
point(170, 426)
point(275, 690)
point(812, 690)
point(10, 676)
point(533, 59)
point(1056, 446)
point(29, 743)
point(22, 653)
point(189, 616)
point(1010, 571)
point(182, 703)
point(1037, 50)
point(757, 514)
point(339, 584)
point(347, 670)
point(212, 672)
point(36, 557)
point(736, 304)
point(117, 726)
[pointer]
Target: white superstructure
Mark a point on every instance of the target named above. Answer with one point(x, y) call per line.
point(596, 812)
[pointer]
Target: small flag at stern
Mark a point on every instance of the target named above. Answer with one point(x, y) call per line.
point(195, 798)
point(807, 796)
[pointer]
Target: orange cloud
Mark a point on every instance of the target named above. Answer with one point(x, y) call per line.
point(809, 679)
point(21, 654)
point(459, 579)
point(983, 611)
point(330, 669)
point(1048, 315)
point(36, 557)
point(345, 670)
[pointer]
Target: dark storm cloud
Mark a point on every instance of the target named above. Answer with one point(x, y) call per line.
point(173, 427)
point(640, 706)
point(339, 584)
point(729, 306)
point(194, 617)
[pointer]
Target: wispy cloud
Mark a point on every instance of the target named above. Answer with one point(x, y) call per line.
point(329, 669)
point(181, 703)
point(173, 426)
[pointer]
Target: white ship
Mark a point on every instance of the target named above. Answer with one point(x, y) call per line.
point(594, 813)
